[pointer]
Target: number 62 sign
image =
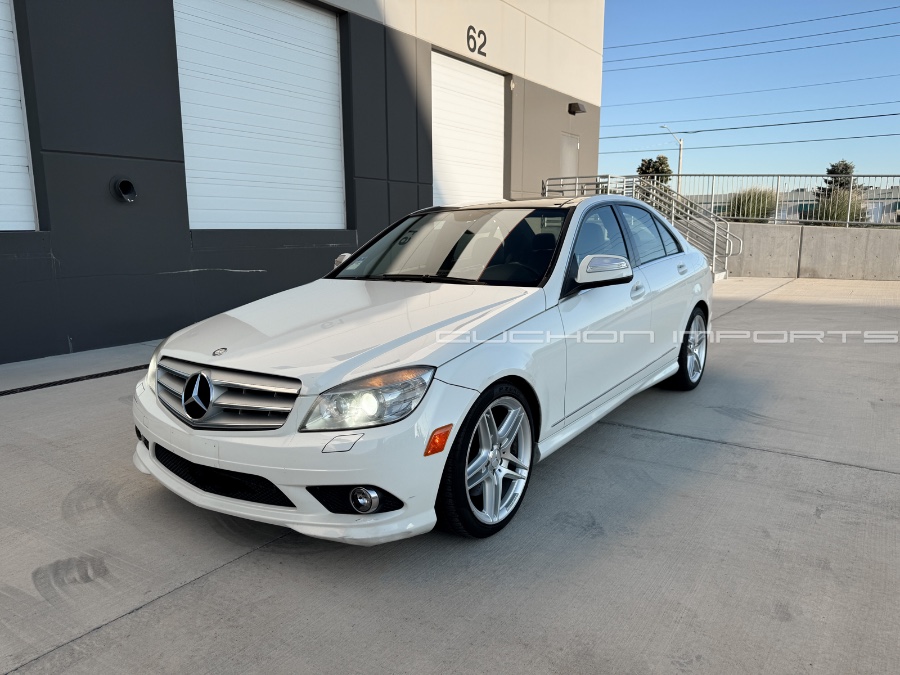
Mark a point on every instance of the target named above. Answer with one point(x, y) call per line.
point(476, 41)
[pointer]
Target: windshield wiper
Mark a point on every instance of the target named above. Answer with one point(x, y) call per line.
point(425, 278)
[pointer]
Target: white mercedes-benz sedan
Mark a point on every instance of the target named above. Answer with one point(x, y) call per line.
point(421, 381)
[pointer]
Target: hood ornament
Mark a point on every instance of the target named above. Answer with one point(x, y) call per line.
point(220, 351)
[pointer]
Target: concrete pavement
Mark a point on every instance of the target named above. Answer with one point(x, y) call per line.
point(750, 526)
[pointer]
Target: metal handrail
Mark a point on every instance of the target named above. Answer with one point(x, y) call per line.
point(702, 227)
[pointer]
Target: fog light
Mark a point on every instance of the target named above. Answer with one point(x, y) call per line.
point(364, 500)
point(138, 433)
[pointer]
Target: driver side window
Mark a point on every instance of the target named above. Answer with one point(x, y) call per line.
point(599, 234)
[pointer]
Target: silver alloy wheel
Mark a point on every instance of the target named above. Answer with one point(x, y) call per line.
point(696, 348)
point(498, 460)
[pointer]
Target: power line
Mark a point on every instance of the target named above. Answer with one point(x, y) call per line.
point(752, 91)
point(742, 56)
point(747, 30)
point(753, 44)
point(749, 145)
point(757, 126)
point(736, 117)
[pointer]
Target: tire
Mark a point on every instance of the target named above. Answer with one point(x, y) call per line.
point(692, 356)
point(489, 465)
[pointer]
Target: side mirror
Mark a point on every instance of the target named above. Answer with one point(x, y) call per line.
point(340, 259)
point(604, 270)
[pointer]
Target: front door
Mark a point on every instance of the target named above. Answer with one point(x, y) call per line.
point(607, 328)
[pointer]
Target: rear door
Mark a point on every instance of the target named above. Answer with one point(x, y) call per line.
point(662, 262)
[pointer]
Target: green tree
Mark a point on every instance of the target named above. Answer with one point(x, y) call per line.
point(658, 167)
point(842, 172)
point(841, 199)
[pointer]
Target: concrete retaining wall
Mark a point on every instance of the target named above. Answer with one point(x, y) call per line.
point(849, 253)
point(769, 250)
point(816, 252)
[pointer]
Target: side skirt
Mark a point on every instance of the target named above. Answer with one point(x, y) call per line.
point(553, 443)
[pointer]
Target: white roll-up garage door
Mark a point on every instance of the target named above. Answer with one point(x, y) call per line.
point(467, 131)
point(16, 185)
point(261, 113)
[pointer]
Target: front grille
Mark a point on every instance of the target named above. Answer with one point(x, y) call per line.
point(232, 484)
point(238, 401)
point(336, 498)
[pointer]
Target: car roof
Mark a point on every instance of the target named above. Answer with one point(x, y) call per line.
point(544, 203)
point(541, 203)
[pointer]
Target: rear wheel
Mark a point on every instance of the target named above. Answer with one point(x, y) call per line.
point(489, 465)
point(692, 357)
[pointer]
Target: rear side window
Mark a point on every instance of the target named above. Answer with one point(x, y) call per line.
point(644, 233)
point(669, 242)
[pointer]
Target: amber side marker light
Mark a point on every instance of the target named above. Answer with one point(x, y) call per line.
point(438, 440)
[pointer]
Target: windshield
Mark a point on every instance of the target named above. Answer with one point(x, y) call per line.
point(510, 247)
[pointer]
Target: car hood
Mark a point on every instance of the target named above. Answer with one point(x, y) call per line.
point(333, 330)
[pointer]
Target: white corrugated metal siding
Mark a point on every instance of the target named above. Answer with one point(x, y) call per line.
point(467, 131)
point(16, 184)
point(261, 112)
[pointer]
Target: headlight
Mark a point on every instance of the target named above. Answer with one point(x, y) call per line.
point(150, 380)
point(370, 401)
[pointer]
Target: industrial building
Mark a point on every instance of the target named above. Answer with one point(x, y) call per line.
point(165, 161)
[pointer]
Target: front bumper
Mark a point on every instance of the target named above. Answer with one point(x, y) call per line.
point(390, 457)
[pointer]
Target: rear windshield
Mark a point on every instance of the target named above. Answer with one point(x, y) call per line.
point(509, 247)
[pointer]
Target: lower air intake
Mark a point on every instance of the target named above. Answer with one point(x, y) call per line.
point(232, 484)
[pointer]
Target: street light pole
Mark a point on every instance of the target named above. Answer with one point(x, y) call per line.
point(680, 154)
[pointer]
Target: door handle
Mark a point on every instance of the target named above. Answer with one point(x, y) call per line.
point(682, 268)
point(637, 291)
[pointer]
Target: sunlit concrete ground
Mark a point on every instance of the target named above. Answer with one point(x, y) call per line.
point(750, 526)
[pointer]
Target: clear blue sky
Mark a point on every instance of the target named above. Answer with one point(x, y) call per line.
point(629, 22)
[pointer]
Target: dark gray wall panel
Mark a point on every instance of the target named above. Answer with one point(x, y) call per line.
point(240, 240)
point(374, 216)
point(426, 195)
point(423, 111)
point(106, 76)
point(402, 132)
point(234, 267)
point(364, 76)
point(104, 311)
point(29, 306)
point(404, 199)
point(30, 318)
point(227, 279)
point(24, 244)
point(96, 234)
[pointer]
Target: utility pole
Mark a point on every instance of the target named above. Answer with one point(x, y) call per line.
point(680, 154)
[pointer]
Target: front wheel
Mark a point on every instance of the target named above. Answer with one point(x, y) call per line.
point(692, 357)
point(489, 465)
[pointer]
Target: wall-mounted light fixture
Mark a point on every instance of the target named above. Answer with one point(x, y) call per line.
point(576, 108)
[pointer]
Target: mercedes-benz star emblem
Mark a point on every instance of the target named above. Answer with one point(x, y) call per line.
point(197, 396)
point(220, 351)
